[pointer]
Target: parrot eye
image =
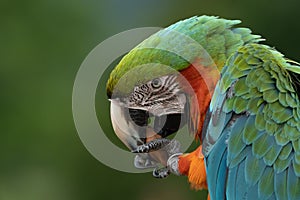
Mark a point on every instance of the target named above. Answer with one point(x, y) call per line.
point(156, 83)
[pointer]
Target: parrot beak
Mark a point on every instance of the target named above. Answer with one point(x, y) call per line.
point(135, 136)
point(127, 131)
point(132, 125)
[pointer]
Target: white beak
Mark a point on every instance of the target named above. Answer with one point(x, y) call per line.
point(126, 130)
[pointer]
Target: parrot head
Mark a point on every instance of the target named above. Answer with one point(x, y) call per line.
point(155, 88)
point(154, 109)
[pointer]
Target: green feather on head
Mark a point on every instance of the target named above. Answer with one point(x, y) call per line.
point(174, 48)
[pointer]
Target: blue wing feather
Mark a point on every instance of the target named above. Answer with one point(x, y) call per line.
point(281, 185)
point(293, 185)
point(246, 151)
point(217, 171)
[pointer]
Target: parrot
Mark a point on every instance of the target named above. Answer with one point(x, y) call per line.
point(237, 96)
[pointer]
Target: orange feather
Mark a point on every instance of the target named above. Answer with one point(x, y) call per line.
point(192, 165)
point(199, 83)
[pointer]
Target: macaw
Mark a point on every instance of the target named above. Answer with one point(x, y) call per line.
point(239, 97)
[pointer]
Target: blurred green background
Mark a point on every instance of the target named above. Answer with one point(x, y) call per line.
point(42, 46)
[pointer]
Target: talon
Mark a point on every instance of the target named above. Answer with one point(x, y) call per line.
point(161, 173)
point(153, 145)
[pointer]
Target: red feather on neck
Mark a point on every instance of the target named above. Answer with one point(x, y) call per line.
point(199, 83)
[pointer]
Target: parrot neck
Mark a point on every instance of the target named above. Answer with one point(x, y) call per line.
point(200, 85)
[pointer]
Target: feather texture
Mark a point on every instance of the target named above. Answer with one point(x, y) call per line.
point(263, 146)
point(177, 46)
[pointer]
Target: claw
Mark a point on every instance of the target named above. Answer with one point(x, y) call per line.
point(153, 145)
point(161, 172)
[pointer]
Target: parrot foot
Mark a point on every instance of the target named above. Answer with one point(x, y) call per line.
point(161, 172)
point(173, 164)
point(153, 145)
point(172, 167)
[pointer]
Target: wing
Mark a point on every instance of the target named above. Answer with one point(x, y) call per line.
point(251, 143)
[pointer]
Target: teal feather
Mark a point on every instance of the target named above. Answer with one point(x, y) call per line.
point(232, 180)
point(286, 151)
point(283, 115)
point(280, 139)
point(254, 168)
point(296, 168)
point(272, 154)
point(235, 161)
point(270, 96)
point(239, 105)
point(266, 184)
point(260, 122)
point(280, 180)
point(297, 158)
point(252, 105)
point(291, 101)
point(282, 99)
point(271, 128)
point(293, 185)
point(263, 145)
point(250, 134)
point(235, 142)
point(240, 87)
point(296, 146)
point(250, 77)
point(217, 160)
point(290, 132)
point(281, 165)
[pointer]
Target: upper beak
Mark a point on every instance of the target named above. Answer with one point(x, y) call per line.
point(131, 134)
point(126, 130)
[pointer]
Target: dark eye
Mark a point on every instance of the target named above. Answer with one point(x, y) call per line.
point(156, 83)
